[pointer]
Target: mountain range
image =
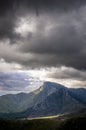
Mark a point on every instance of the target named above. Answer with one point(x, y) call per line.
point(50, 99)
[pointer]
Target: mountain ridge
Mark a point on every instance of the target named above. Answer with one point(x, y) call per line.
point(50, 99)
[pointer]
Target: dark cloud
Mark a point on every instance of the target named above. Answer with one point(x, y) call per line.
point(43, 34)
point(61, 40)
point(68, 73)
point(7, 23)
point(60, 43)
point(6, 5)
point(11, 9)
point(58, 38)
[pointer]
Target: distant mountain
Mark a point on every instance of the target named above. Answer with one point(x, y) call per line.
point(50, 99)
point(16, 103)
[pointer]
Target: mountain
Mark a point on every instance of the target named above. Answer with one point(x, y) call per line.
point(15, 103)
point(79, 94)
point(50, 99)
point(55, 99)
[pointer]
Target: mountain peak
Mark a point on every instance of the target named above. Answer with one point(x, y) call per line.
point(38, 90)
point(49, 88)
point(47, 85)
point(53, 84)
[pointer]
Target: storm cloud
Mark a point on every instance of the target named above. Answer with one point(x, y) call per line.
point(67, 73)
point(61, 39)
point(44, 34)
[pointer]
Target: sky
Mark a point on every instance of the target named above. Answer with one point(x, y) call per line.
point(44, 38)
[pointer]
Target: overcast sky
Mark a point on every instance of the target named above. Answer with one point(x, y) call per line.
point(47, 36)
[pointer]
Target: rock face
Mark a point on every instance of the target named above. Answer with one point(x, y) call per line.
point(50, 99)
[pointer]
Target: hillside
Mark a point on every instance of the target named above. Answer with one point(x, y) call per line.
point(50, 99)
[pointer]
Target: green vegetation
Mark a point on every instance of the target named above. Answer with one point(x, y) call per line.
point(75, 123)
